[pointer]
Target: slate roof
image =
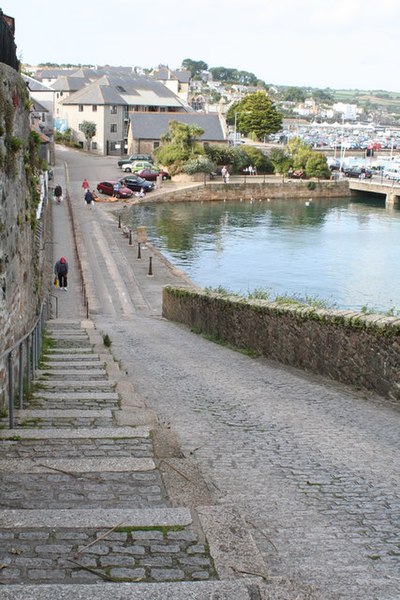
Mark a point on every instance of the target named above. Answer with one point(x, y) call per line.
point(36, 86)
point(151, 125)
point(128, 91)
point(52, 73)
point(69, 84)
point(164, 74)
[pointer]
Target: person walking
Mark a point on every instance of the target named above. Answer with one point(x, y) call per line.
point(224, 173)
point(89, 198)
point(85, 185)
point(58, 194)
point(61, 271)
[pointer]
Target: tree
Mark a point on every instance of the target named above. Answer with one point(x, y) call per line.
point(233, 76)
point(255, 114)
point(88, 129)
point(294, 94)
point(281, 160)
point(316, 166)
point(195, 67)
point(179, 144)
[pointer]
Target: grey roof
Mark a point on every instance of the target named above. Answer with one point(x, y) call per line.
point(52, 73)
point(69, 83)
point(36, 86)
point(151, 126)
point(164, 73)
point(37, 107)
point(132, 90)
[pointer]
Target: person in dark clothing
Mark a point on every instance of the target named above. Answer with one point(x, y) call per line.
point(61, 270)
point(89, 198)
point(58, 194)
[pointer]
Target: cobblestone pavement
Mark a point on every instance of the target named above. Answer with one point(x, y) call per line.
point(64, 475)
point(312, 465)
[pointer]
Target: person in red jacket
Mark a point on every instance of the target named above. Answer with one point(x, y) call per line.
point(61, 271)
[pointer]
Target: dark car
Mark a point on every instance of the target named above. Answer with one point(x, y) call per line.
point(134, 157)
point(358, 172)
point(136, 183)
point(107, 187)
point(152, 174)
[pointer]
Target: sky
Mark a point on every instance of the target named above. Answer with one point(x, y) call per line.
point(341, 44)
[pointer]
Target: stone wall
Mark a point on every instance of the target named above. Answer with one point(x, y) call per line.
point(209, 191)
point(353, 348)
point(23, 259)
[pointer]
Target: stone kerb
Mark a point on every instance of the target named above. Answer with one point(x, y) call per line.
point(350, 347)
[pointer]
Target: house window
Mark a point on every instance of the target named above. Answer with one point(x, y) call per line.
point(113, 110)
point(94, 107)
point(94, 145)
point(113, 128)
point(80, 107)
point(156, 145)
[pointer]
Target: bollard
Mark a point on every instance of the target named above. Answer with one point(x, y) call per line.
point(130, 237)
point(139, 255)
point(150, 265)
point(119, 221)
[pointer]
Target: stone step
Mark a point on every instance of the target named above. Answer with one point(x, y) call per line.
point(67, 396)
point(74, 357)
point(64, 373)
point(71, 434)
point(79, 365)
point(63, 418)
point(76, 443)
point(77, 465)
point(70, 351)
point(86, 546)
point(72, 384)
point(238, 589)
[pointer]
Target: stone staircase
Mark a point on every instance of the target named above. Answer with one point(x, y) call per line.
point(84, 511)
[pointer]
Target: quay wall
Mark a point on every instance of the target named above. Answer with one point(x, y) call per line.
point(353, 348)
point(249, 190)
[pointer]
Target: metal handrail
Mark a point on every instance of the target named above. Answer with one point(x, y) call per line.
point(33, 342)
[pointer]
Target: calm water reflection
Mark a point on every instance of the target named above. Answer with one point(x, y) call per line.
point(345, 251)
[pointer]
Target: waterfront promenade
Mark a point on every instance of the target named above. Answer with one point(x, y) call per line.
point(310, 466)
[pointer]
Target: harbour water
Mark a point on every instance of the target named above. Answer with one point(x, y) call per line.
point(344, 251)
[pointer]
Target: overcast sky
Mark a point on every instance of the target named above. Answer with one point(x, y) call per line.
point(337, 43)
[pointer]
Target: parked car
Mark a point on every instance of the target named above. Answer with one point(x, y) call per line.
point(298, 174)
point(359, 172)
point(137, 165)
point(152, 174)
point(107, 187)
point(392, 173)
point(133, 158)
point(136, 183)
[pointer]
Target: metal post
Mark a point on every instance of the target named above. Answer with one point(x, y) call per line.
point(119, 221)
point(150, 265)
point(28, 364)
point(130, 237)
point(87, 309)
point(139, 255)
point(37, 340)
point(33, 351)
point(21, 376)
point(10, 393)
